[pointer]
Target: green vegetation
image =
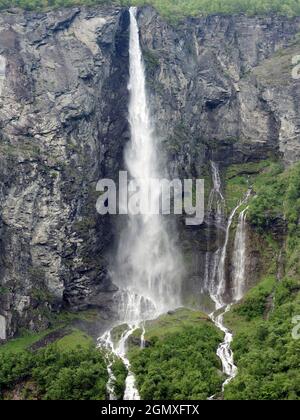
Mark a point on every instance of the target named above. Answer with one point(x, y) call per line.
point(239, 178)
point(59, 363)
point(120, 373)
point(175, 9)
point(22, 343)
point(63, 320)
point(173, 322)
point(254, 305)
point(278, 197)
point(55, 374)
point(74, 339)
point(267, 355)
point(180, 359)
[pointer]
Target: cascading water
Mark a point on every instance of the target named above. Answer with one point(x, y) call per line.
point(216, 199)
point(216, 209)
point(148, 269)
point(2, 72)
point(222, 266)
point(119, 351)
point(239, 258)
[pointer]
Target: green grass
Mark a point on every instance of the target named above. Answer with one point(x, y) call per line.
point(74, 339)
point(68, 368)
point(253, 306)
point(22, 343)
point(277, 197)
point(172, 323)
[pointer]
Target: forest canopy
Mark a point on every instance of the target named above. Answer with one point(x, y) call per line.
point(175, 8)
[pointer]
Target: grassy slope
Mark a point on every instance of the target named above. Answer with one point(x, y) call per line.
point(66, 366)
point(26, 339)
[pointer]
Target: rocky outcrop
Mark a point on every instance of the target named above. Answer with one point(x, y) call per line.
point(63, 126)
point(207, 87)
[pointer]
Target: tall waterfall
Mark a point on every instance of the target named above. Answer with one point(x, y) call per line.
point(148, 267)
point(216, 210)
point(216, 199)
point(239, 258)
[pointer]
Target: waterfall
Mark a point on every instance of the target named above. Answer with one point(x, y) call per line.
point(2, 72)
point(216, 209)
point(216, 197)
point(239, 258)
point(106, 342)
point(148, 267)
point(222, 266)
point(218, 276)
point(119, 350)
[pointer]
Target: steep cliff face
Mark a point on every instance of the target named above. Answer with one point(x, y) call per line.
point(206, 80)
point(63, 126)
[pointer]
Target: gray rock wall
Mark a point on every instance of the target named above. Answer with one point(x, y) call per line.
point(63, 126)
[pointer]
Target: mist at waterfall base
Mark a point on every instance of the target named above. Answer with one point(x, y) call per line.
point(148, 268)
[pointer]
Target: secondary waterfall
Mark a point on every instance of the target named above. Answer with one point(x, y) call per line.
point(148, 266)
point(216, 210)
point(217, 278)
point(239, 258)
point(222, 265)
point(2, 72)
